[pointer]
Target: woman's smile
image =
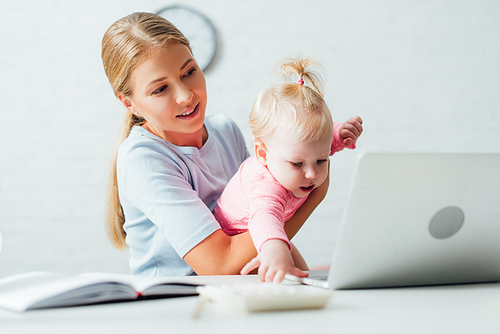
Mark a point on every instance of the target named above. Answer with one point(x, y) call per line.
point(193, 113)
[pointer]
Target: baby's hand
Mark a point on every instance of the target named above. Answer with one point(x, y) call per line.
point(351, 130)
point(273, 261)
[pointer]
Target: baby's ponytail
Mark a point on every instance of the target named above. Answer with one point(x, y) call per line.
point(298, 104)
point(306, 69)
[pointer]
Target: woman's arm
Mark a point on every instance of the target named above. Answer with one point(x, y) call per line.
point(220, 254)
point(298, 259)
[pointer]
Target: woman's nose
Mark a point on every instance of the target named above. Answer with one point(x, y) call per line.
point(183, 94)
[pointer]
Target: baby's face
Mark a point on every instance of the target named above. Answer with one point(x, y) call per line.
point(298, 167)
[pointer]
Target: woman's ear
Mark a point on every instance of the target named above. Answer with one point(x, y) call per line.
point(260, 152)
point(128, 104)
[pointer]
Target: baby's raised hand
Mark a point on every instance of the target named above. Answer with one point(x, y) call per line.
point(273, 261)
point(351, 130)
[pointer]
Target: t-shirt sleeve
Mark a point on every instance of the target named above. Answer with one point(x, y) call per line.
point(157, 185)
point(239, 141)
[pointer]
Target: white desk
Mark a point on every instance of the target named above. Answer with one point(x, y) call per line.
point(445, 309)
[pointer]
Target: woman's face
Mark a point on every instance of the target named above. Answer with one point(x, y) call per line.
point(169, 91)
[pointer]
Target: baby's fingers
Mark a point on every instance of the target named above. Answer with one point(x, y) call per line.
point(297, 272)
point(348, 142)
point(356, 123)
point(349, 134)
point(253, 264)
point(279, 276)
point(351, 130)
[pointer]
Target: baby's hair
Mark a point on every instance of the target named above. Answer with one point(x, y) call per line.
point(125, 45)
point(298, 105)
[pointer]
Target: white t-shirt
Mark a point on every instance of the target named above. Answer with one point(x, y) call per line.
point(168, 193)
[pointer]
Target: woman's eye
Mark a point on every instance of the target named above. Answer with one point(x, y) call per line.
point(191, 72)
point(159, 90)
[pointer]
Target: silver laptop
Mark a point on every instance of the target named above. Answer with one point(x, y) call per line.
point(418, 219)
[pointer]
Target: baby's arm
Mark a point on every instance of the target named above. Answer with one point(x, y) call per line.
point(268, 205)
point(274, 261)
point(220, 254)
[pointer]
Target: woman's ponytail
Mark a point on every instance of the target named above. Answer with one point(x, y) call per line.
point(125, 45)
point(115, 217)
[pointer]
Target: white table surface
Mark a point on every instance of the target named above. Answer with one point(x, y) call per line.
point(439, 309)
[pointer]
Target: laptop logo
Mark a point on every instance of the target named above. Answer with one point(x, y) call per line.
point(446, 222)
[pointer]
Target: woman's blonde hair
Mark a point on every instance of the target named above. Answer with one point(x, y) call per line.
point(299, 105)
point(125, 45)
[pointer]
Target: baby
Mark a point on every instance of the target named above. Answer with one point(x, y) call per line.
point(294, 135)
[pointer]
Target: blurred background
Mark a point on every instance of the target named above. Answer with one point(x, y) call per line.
point(424, 76)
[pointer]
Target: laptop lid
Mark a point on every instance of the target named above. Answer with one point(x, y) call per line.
point(420, 219)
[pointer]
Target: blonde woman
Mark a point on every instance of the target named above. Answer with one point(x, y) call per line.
point(173, 161)
point(293, 138)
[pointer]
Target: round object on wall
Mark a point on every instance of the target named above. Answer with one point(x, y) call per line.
point(198, 30)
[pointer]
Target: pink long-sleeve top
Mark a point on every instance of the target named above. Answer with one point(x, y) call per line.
point(254, 201)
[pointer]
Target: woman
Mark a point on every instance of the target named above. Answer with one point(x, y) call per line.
point(172, 162)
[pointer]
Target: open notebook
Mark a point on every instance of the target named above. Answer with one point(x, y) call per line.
point(418, 219)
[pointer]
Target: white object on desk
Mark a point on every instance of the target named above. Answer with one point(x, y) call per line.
point(36, 290)
point(419, 219)
point(257, 297)
point(431, 310)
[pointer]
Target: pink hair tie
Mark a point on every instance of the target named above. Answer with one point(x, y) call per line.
point(300, 81)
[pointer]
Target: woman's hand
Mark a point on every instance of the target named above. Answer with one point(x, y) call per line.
point(351, 130)
point(274, 261)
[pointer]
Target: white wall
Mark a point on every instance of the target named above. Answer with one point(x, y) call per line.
point(424, 75)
